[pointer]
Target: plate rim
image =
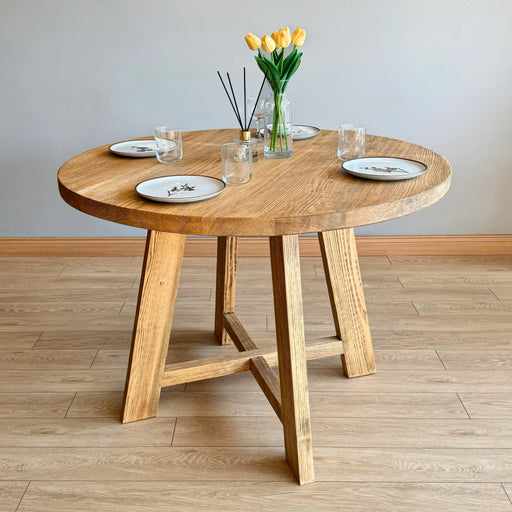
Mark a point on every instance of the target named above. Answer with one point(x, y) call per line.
point(395, 157)
point(318, 130)
point(128, 153)
point(205, 196)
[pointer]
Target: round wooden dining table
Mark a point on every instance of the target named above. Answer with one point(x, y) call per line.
point(307, 193)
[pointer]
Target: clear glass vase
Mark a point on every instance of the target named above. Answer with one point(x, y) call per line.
point(277, 133)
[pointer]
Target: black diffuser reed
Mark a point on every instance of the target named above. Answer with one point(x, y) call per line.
point(244, 126)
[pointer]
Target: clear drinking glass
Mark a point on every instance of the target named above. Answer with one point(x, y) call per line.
point(351, 141)
point(236, 163)
point(169, 147)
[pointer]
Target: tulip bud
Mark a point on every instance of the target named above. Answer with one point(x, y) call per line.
point(253, 42)
point(298, 37)
point(275, 37)
point(284, 38)
point(268, 44)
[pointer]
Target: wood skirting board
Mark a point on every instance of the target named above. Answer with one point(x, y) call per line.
point(206, 246)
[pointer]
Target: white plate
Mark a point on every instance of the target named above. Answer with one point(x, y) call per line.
point(180, 189)
point(384, 168)
point(302, 132)
point(135, 148)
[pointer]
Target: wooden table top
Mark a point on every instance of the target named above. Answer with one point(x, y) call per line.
point(306, 193)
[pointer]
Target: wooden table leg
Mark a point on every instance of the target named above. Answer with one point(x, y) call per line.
point(153, 320)
point(284, 255)
point(341, 266)
point(227, 251)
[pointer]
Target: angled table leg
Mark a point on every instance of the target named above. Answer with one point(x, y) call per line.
point(153, 320)
point(341, 266)
point(227, 251)
point(284, 255)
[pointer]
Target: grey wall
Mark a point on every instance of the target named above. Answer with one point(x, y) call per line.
point(81, 73)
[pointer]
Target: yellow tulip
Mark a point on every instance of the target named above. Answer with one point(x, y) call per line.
point(284, 38)
point(253, 42)
point(268, 44)
point(298, 37)
point(275, 37)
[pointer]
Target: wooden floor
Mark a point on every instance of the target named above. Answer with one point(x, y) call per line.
point(432, 430)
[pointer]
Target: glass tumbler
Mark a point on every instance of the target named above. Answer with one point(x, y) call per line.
point(236, 163)
point(351, 141)
point(169, 147)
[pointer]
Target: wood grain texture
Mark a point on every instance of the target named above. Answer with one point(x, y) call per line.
point(73, 432)
point(194, 370)
point(227, 251)
point(153, 320)
point(70, 339)
point(269, 383)
point(349, 432)
point(487, 360)
point(414, 465)
point(227, 402)
point(341, 266)
point(11, 494)
point(51, 359)
point(35, 405)
point(284, 257)
point(424, 437)
point(144, 463)
point(487, 405)
point(303, 194)
point(18, 340)
point(55, 496)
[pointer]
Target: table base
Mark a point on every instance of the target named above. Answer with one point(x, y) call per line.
point(288, 394)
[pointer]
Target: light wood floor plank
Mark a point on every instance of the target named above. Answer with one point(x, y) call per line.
point(59, 381)
point(488, 405)
point(385, 381)
point(449, 280)
point(73, 432)
point(418, 381)
point(502, 292)
point(432, 294)
point(457, 265)
point(11, 494)
point(322, 404)
point(28, 286)
point(35, 405)
point(477, 360)
point(413, 465)
point(447, 261)
point(260, 464)
point(18, 340)
point(262, 497)
point(63, 294)
point(83, 340)
point(460, 340)
point(508, 489)
point(46, 359)
point(144, 463)
point(30, 267)
point(489, 308)
point(348, 432)
point(409, 322)
point(28, 309)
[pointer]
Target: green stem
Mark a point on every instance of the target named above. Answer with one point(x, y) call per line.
point(278, 123)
